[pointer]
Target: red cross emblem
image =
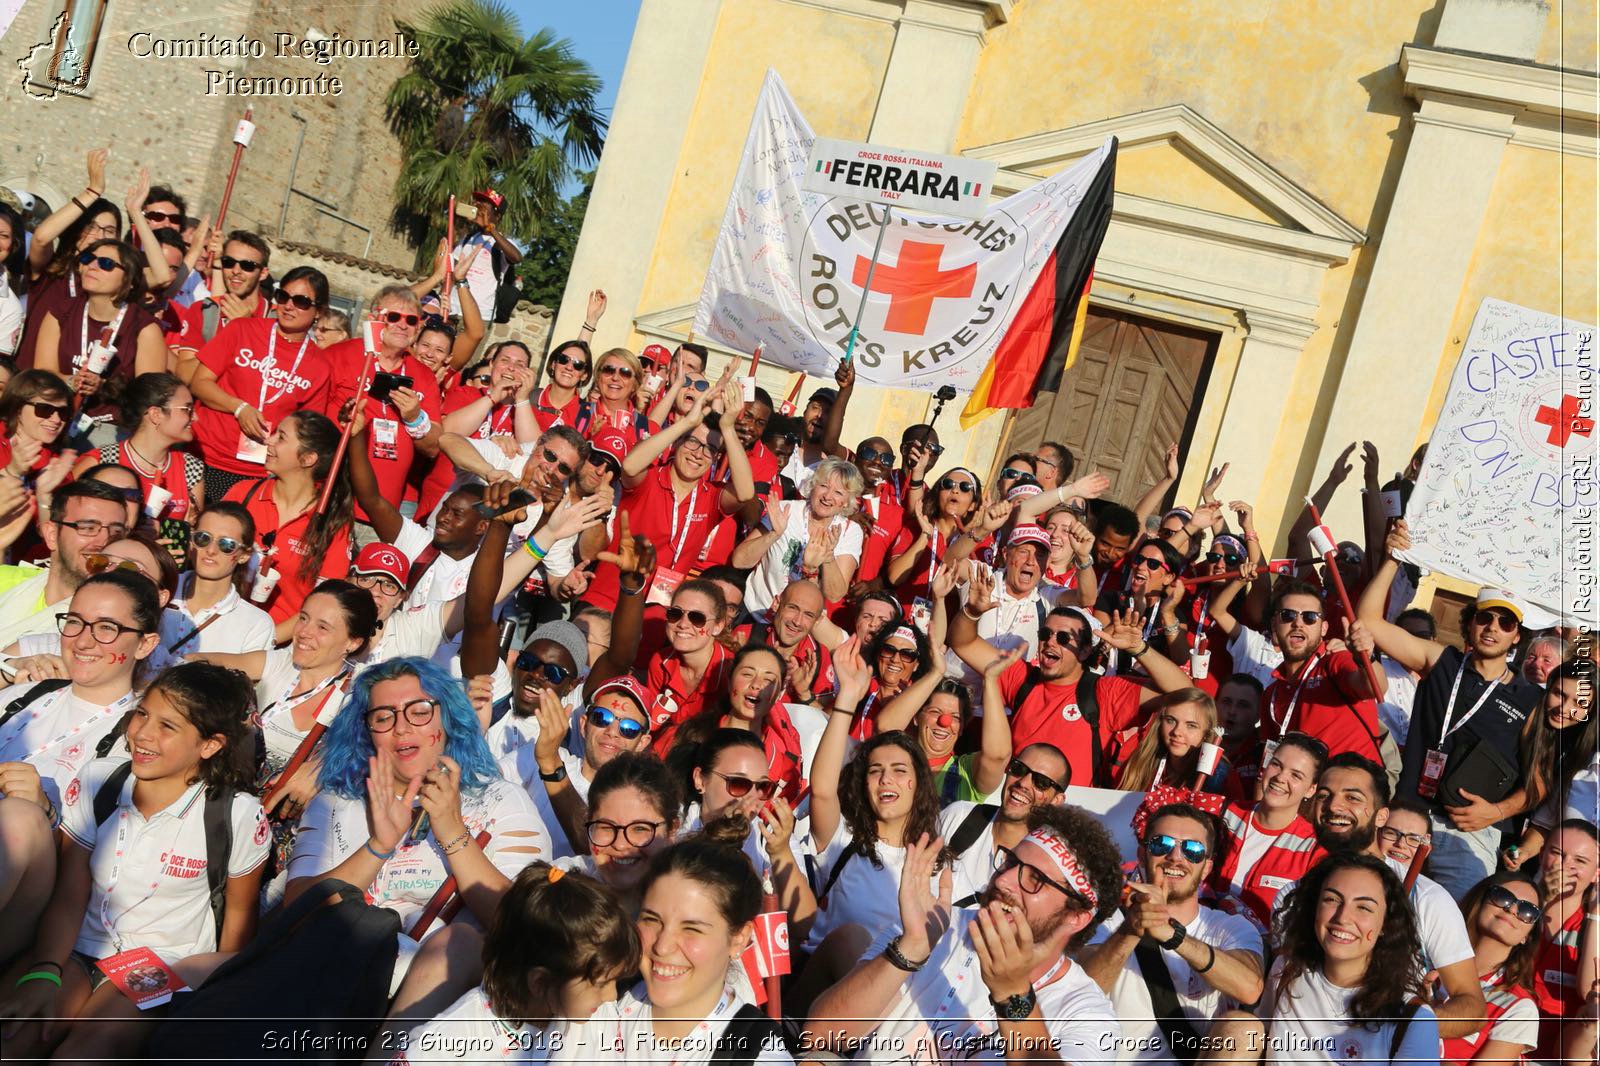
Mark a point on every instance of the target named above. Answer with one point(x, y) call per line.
point(1564, 421)
point(913, 283)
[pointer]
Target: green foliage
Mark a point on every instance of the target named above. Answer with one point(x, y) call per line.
point(481, 106)
point(544, 269)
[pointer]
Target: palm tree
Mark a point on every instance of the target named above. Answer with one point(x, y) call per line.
point(480, 106)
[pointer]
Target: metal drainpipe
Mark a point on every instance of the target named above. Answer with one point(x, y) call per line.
point(294, 165)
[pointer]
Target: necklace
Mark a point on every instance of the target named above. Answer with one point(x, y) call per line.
point(140, 462)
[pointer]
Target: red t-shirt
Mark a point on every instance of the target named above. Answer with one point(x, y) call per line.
point(174, 477)
point(1050, 715)
point(190, 333)
point(888, 535)
point(1323, 704)
point(677, 527)
point(253, 362)
point(547, 416)
point(287, 548)
point(441, 472)
point(346, 360)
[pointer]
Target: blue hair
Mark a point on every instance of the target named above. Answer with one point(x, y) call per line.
point(348, 745)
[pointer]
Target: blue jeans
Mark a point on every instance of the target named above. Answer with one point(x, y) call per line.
point(1460, 860)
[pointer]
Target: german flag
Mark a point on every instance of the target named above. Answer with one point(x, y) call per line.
point(1043, 339)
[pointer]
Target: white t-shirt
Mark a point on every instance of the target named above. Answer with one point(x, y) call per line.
point(975, 867)
point(1253, 654)
point(865, 894)
point(335, 827)
point(469, 1031)
point(945, 1011)
point(480, 280)
point(56, 734)
point(10, 317)
point(1582, 799)
point(1310, 1023)
point(521, 768)
point(1440, 924)
point(781, 564)
point(1395, 710)
point(623, 1032)
point(1142, 1036)
point(149, 886)
point(1013, 621)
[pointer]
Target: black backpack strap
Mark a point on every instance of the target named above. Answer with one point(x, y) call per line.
point(118, 731)
point(758, 633)
point(749, 1033)
point(1030, 681)
point(641, 424)
point(1407, 1012)
point(849, 852)
point(250, 493)
point(1089, 707)
point(109, 793)
point(219, 849)
point(39, 690)
point(1179, 1032)
point(967, 834)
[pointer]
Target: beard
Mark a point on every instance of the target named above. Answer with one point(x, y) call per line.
point(1042, 929)
point(1359, 838)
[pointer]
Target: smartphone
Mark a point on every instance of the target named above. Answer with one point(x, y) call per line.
point(383, 383)
point(518, 498)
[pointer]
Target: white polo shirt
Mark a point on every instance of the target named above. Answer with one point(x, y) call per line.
point(232, 624)
point(150, 888)
point(279, 678)
point(56, 734)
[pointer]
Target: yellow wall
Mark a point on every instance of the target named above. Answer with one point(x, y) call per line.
point(1569, 36)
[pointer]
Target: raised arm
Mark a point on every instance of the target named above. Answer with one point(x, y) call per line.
point(459, 450)
point(1088, 487)
point(833, 425)
point(1414, 653)
point(384, 515)
point(642, 456)
point(855, 676)
point(1151, 500)
point(1125, 633)
point(156, 272)
point(635, 560)
point(994, 744)
point(62, 218)
point(964, 640)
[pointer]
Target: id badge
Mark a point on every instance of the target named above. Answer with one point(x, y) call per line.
point(663, 585)
point(922, 613)
point(140, 975)
point(250, 450)
point(1432, 770)
point(385, 439)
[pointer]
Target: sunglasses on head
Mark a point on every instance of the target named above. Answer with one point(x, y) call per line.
point(104, 262)
point(560, 359)
point(867, 455)
point(1507, 900)
point(739, 786)
point(1287, 616)
point(1219, 557)
point(304, 302)
point(164, 216)
point(1019, 769)
point(951, 484)
point(616, 370)
point(1162, 844)
point(1152, 562)
point(98, 563)
point(530, 663)
point(226, 545)
point(602, 717)
point(393, 317)
point(1066, 638)
point(1496, 617)
point(46, 411)
point(698, 619)
point(248, 265)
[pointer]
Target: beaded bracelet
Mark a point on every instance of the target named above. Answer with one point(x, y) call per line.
point(455, 844)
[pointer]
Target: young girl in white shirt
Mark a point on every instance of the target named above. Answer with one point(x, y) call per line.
point(139, 877)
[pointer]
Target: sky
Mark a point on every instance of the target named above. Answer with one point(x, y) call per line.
point(598, 29)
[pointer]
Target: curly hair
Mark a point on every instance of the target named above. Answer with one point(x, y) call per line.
point(218, 701)
point(855, 804)
point(849, 477)
point(348, 743)
point(1518, 967)
point(559, 930)
point(1096, 852)
point(1391, 978)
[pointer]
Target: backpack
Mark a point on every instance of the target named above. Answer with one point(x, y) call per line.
point(39, 689)
point(1088, 706)
point(321, 965)
point(507, 287)
point(749, 1033)
point(219, 833)
point(967, 834)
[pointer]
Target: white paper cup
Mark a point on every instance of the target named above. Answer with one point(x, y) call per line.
point(99, 358)
point(265, 582)
point(157, 501)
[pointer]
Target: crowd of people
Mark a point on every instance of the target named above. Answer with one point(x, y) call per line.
point(596, 708)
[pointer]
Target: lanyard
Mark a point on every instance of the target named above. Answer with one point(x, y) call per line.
point(933, 558)
point(270, 363)
point(1450, 707)
point(1150, 622)
point(124, 820)
point(1288, 714)
point(204, 618)
point(694, 497)
point(49, 703)
point(291, 704)
point(109, 332)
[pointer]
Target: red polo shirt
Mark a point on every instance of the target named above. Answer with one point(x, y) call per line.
point(237, 355)
point(826, 681)
point(888, 529)
point(547, 415)
point(288, 548)
point(677, 527)
point(1323, 703)
point(674, 702)
point(630, 423)
point(1050, 715)
point(346, 360)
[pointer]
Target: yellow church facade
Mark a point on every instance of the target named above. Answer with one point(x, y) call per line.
point(1312, 198)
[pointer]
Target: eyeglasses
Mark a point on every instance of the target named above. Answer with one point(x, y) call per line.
point(226, 545)
point(908, 656)
point(46, 411)
point(393, 317)
point(867, 455)
point(627, 728)
point(951, 484)
point(306, 303)
point(164, 216)
point(1018, 769)
point(380, 582)
point(104, 262)
point(184, 409)
point(1287, 616)
point(698, 619)
point(1162, 844)
point(1066, 638)
point(1504, 619)
point(695, 446)
point(530, 663)
point(104, 231)
point(1502, 897)
point(1411, 840)
point(101, 563)
point(603, 834)
point(1152, 562)
point(416, 712)
point(247, 265)
point(739, 786)
point(580, 365)
point(1217, 557)
point(1013, 473)
point(103, 630)
point(1029, 876)
point(616, 370)
point(89, 528)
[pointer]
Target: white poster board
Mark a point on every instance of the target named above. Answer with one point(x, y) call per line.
point(899, 177)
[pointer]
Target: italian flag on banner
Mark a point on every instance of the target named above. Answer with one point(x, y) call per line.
point(1043, 338)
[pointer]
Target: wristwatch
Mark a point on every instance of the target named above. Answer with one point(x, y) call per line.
point(1015, 1008)
point(1179, 935)
point(558, 774)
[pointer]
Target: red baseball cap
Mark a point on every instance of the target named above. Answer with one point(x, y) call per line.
point(630, 687)
point(490, 197)
point(383, 559)
point(613, 442)
point(657, 354)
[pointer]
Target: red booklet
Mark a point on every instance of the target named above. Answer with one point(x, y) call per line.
point(140, 975)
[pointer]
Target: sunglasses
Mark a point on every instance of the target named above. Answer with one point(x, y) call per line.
point(739, 786)
point(580, 365)
point(46, 411)
point(699, 384)
point(647, 363)
point(951, 484)
point(1019, 769)
point(249, 265)
point(1502, 897)
point(906, 655)
point(1218, 557)
point(616, 370)
point(1013, 473)
point(99, 563)
point(104, 262)
point(1502, 619)
point(598, 458)
point(555, 460)
point(1152, 562)
point(164, 216)
point(1287, 616)
point(867, 455)
point(390, 317)
point(698, 619)
point(627, 728)
point(530, 663)
point(226, 545)
point(1066, 638)
point(306, 303)
point(1162, 844)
